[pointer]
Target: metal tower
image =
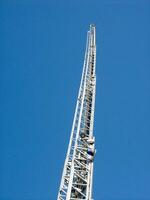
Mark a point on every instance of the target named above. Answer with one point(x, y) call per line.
point(77, 176)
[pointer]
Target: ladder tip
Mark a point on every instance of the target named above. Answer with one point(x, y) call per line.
point(92, 25)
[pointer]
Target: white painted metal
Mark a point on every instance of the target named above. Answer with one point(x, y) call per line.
point(77, 176)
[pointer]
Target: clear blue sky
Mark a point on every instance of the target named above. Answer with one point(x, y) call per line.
point(42, 45)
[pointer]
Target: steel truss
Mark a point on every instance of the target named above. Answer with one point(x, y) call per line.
point(76, 182)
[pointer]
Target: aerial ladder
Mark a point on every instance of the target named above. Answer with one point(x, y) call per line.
point(77, 175)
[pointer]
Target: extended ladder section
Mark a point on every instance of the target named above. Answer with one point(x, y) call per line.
point(76, 182)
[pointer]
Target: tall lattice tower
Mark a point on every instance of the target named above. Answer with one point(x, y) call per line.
point(77, 176)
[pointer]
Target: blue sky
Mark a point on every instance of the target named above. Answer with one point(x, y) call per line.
point(42, 45)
